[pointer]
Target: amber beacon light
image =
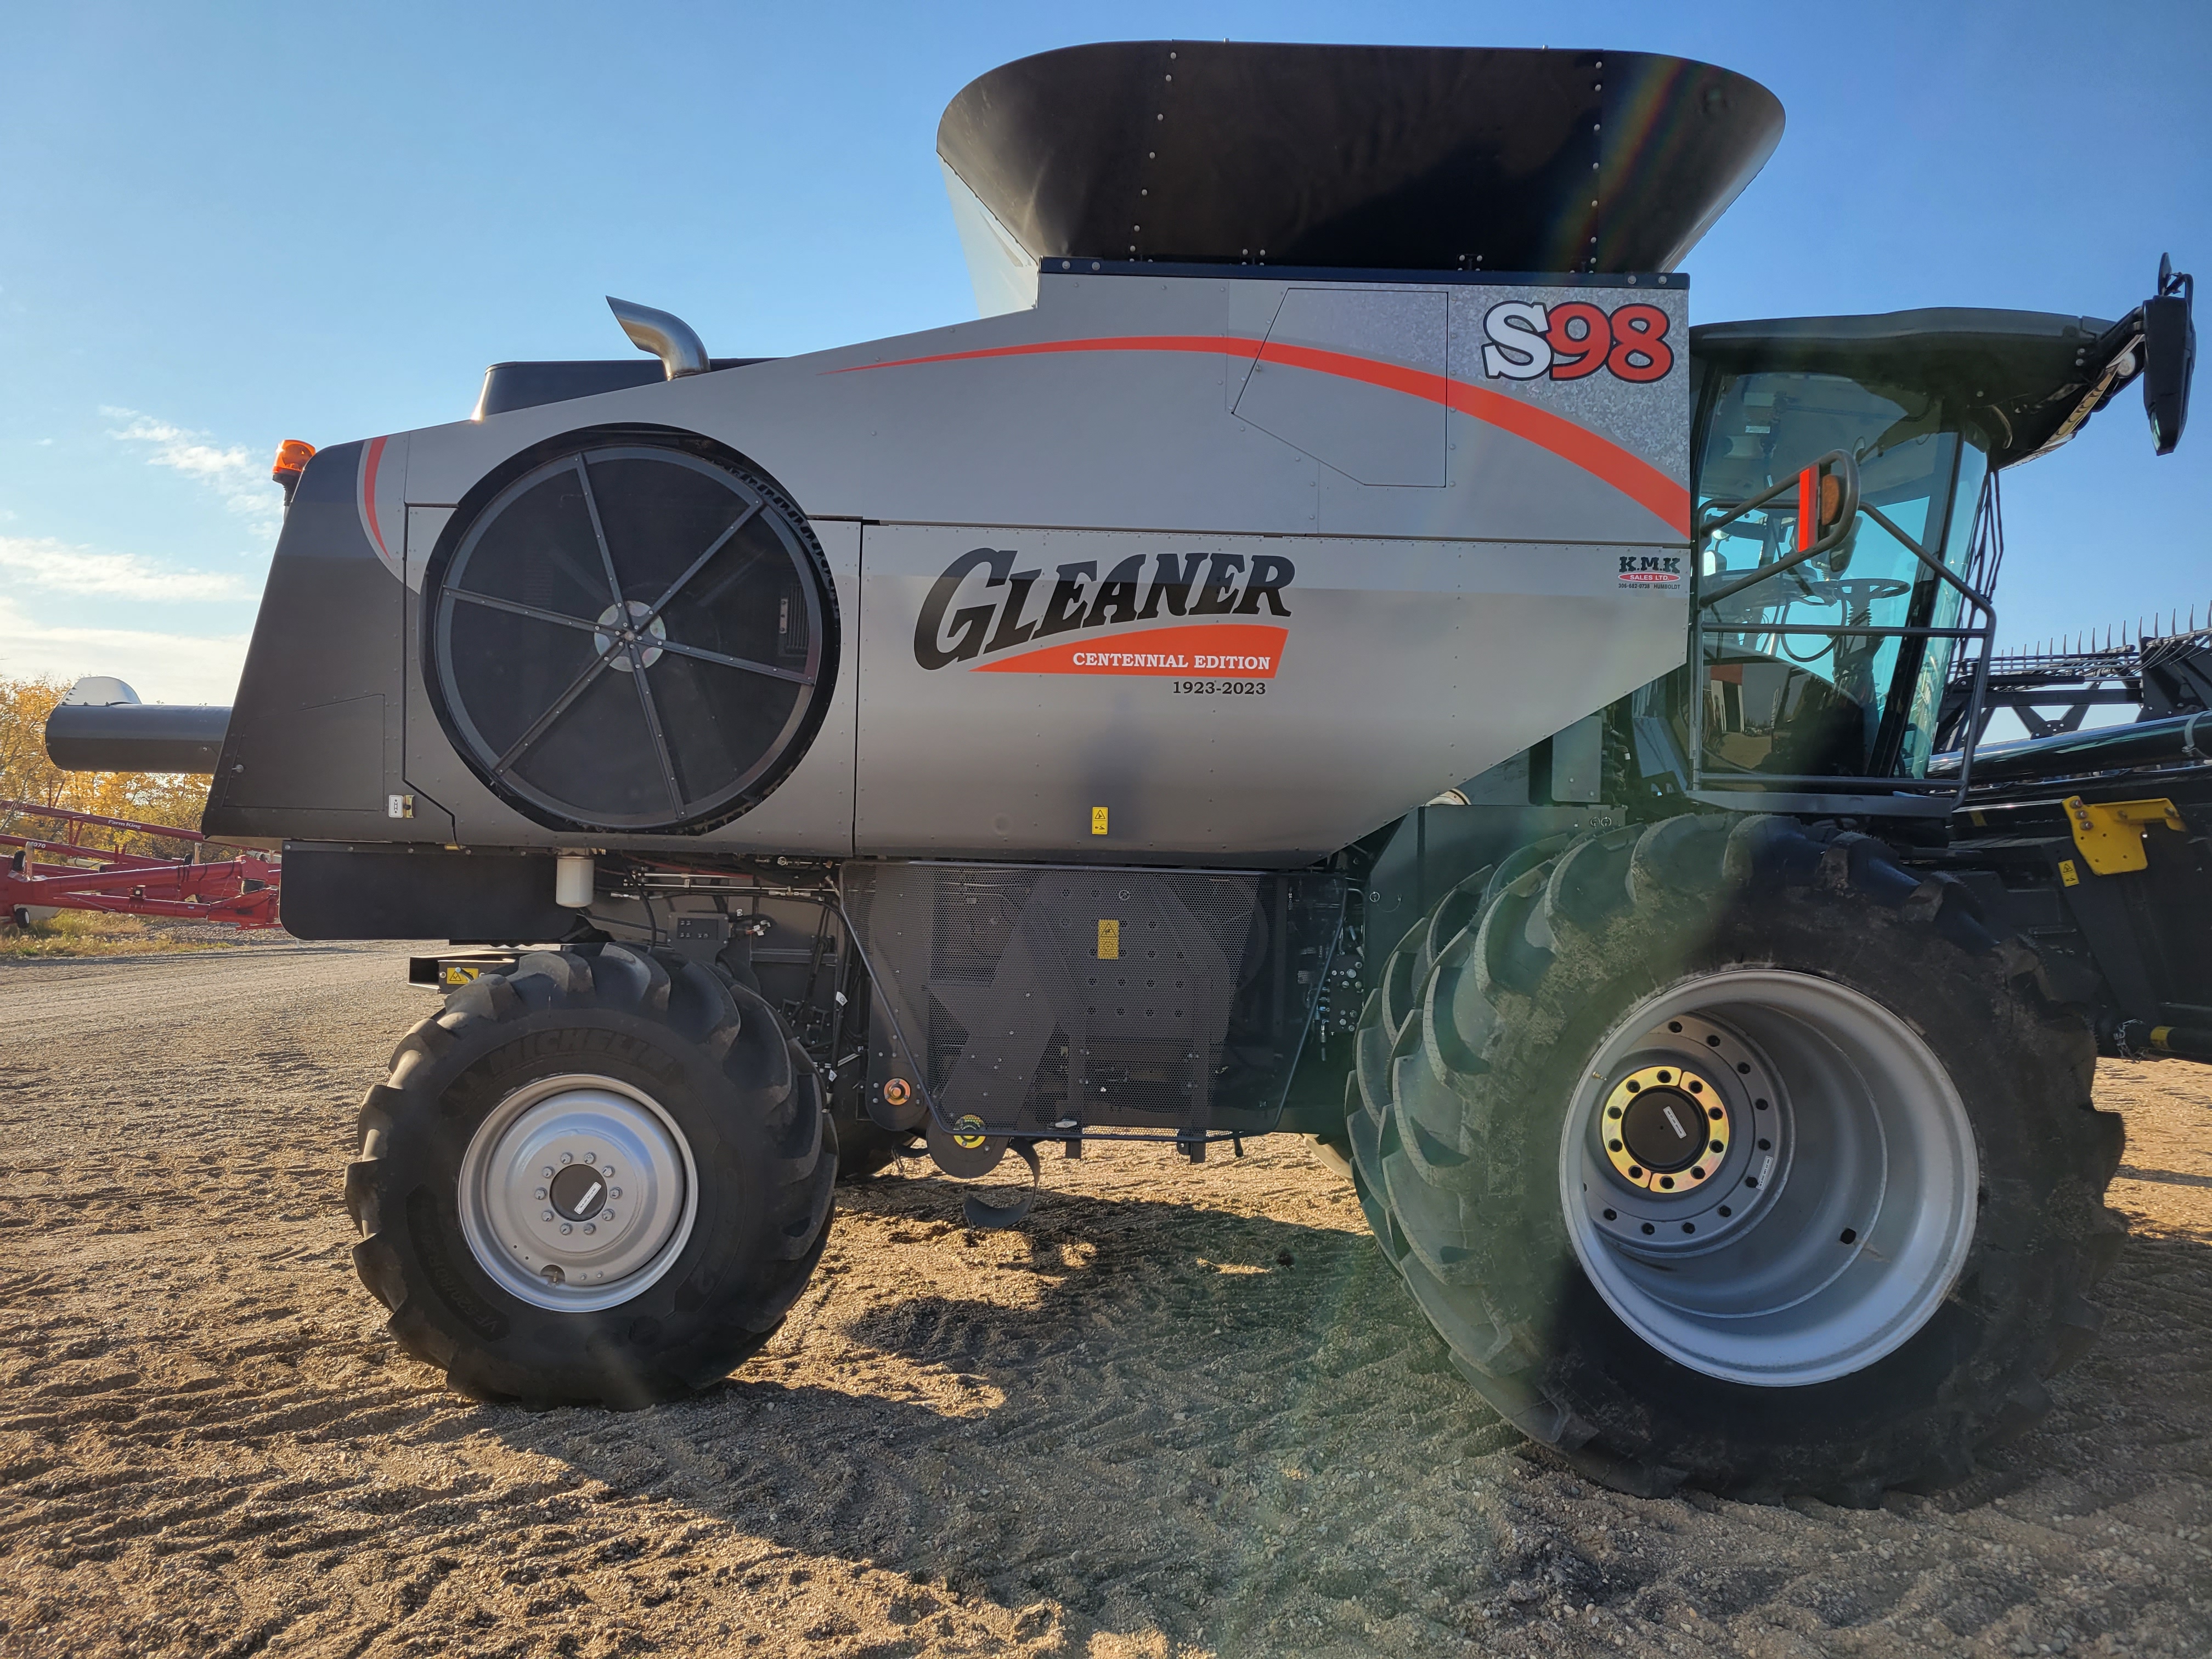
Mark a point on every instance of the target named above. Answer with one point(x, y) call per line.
point(292, 458)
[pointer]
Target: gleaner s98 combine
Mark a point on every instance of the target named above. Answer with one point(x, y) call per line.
point(1331, 649)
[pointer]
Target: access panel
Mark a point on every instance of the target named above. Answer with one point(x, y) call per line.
point(1028, 1001)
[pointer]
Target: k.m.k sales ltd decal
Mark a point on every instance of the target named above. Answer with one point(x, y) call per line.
point(1649, 569)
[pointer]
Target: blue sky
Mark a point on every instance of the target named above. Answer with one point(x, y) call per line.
point(223, 226)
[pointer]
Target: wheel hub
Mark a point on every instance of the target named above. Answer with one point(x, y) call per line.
point(1667, 1127)
point(1768, 1177)
point(577, 1193)
point(577, 1190)
point(619, 625)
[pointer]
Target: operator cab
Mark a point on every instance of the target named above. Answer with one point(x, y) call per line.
point(1800, 679)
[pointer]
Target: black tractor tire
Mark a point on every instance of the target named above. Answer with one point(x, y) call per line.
point(1473, 1049)
point(739, 1096)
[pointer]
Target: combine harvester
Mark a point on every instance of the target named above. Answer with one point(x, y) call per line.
point(1331, 650)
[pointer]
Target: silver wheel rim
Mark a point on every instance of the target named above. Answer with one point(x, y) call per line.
point(577, 1193)
point(1833, 1208)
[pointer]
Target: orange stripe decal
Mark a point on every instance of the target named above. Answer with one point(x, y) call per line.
point(370, 459)
point(1234, 650)
point(1603, 459)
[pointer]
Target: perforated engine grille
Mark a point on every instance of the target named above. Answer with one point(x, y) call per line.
point(632, 637)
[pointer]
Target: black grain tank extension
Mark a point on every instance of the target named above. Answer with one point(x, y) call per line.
point(1417, 158)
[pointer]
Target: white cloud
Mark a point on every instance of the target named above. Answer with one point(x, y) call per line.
point(232, 473)
point(43, 563)
point(160, 667)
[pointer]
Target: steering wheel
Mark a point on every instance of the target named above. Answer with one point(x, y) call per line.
point(1856, 594)
point(1856, 591)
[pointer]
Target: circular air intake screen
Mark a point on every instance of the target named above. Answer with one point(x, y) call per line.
point(633, 637)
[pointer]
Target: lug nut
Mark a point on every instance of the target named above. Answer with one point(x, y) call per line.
point(540, 1193)
point(613, 1192)
point(547, 1172)
point(566, 1229)
point(548, 1215)
point(606, 1215)
point(568, 1158)
point(591, 1227)
point(590, 1158)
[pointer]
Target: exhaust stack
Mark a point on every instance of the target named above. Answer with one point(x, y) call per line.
point(667, 336)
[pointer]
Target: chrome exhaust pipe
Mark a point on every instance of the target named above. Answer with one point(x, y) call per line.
point(667, 336)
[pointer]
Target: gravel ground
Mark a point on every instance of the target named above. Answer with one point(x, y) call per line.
point(1188, 1411)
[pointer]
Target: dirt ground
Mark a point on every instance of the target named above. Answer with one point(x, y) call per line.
point(1188, 1411)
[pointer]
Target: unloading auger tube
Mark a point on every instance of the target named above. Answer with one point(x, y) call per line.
point(918, 751)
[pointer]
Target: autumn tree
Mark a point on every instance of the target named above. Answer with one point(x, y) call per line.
point(26, 774)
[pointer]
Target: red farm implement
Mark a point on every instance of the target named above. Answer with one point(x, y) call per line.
point(67, 875)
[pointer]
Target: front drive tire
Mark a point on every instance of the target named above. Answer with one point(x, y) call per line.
point(691, 1165)
point(1728, 1153)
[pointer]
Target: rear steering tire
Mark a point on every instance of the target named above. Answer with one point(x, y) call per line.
point(600, 1178)
point(1726, 1151)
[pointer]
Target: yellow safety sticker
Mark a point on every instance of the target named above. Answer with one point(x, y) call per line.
point(2068, 874)
point(968, 1132)
point(458, 974)
point(1110, 940)
point(1098, 820)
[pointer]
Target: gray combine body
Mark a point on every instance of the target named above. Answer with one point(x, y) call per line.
point(1330, 648)
point(1037, 529)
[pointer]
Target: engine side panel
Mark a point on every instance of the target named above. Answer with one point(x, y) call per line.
point(1274, 723)
point(1486, 523)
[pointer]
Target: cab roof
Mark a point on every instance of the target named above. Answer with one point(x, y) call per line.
point(2018, 375)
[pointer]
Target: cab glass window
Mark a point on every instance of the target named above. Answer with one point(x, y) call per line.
point(1788, 688)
